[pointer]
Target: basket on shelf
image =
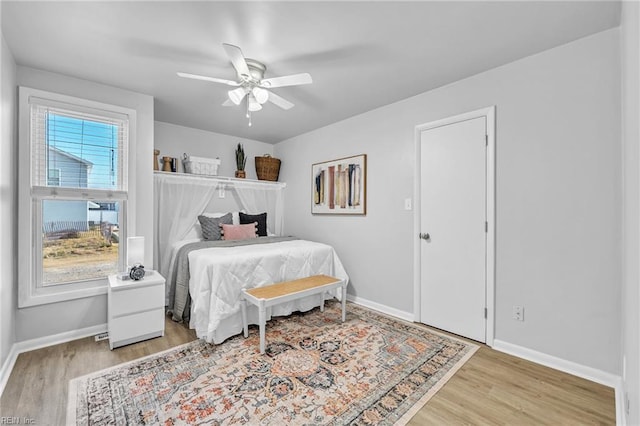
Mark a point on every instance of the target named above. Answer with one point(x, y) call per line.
point(267, 167)
point(200, 165)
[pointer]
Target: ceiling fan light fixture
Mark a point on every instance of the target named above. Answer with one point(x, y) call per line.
point(236, 95)
point(252, 88)
point(260, 94)
point(254, 105)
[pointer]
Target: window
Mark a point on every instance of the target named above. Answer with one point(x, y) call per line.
point(73, 195)
point(53, 178)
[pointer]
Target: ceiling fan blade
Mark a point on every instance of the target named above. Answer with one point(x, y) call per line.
point(212, 79)
point(287, 80)
point(237, 59)
point(279, 101)
point(228, 103)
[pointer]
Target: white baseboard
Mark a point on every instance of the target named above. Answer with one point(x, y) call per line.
point(570, 367)
point(7, 367)
point(621, 406)
point(407, 316)
point(42, 342)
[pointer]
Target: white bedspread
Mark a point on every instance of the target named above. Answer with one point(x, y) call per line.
point(218, 276)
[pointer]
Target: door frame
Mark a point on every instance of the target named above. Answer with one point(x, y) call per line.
point(490, 115)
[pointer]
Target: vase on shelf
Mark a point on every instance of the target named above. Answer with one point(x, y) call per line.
point(241, 174)
point(156, 152)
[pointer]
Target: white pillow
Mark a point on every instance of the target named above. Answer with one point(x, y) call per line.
point(194, 233)
point(213, 215)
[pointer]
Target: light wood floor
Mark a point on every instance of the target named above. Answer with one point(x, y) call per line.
point(491, 388)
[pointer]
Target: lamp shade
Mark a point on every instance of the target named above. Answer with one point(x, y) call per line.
point(260, 94)
point(236, 95)
point(135, 250)
point(254, 105)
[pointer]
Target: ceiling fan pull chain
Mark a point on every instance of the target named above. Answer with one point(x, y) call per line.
point(248, 111)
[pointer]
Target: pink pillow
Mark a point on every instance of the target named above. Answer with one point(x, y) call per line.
point(238, 232)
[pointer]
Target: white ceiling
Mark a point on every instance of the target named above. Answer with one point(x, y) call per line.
point(361, 55)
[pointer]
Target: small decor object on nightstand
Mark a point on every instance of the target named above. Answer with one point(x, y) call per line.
point(137, 272)
point(135, 257)
point(241, 162)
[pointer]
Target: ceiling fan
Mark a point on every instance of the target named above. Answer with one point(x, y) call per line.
point(251, 83)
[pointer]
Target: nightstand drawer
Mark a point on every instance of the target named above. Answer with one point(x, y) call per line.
point(136, 327)
point(136, 300)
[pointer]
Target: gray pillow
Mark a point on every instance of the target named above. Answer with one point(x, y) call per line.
point(211, 226)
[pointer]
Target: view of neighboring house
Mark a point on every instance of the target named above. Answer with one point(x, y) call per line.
point(100, 212)
point(66, 170)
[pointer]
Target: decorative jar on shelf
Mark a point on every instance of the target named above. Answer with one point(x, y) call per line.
point(169, 164)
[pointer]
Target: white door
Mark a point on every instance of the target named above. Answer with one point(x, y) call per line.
point(453, 228)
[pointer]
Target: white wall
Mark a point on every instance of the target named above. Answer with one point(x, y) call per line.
point(8, 201)
point(630, 35)
point(558, 196)
point(173, 141)
point(55, 318)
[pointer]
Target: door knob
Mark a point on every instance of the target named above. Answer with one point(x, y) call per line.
point(425, 237)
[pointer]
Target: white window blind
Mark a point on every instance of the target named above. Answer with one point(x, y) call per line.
point(84, 149)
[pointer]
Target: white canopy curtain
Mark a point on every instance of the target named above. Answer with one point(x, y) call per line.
point(180, 198)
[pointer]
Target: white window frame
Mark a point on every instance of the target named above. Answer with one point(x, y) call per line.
point(30, 207)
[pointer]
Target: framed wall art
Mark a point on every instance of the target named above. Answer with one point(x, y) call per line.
point(340, 186)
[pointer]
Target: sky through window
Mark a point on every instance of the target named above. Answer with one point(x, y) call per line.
point(84, 145)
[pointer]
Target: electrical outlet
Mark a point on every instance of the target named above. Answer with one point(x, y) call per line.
point(407, 203)
point(518, 313)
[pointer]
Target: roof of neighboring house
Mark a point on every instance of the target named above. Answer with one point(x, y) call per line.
point(89, 164)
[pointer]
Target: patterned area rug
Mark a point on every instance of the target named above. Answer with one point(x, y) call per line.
point(372, 369)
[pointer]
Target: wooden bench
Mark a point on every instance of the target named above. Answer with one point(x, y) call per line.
point(286, 291)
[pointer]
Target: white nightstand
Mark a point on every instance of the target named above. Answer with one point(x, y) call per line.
point(136, 309)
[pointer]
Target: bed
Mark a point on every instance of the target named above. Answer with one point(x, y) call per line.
point(206, 279)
